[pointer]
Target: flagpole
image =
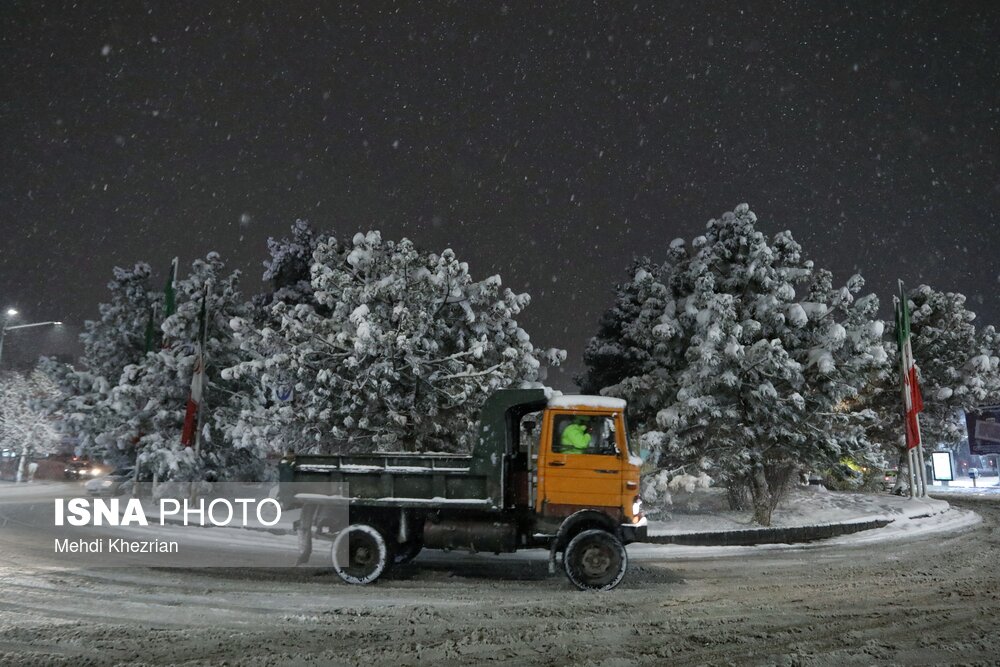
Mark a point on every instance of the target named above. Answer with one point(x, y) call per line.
point(919, 454)
point(170, 296)
point(912, 401)
point(911, 463)
point(203, 338)
point(920, 460)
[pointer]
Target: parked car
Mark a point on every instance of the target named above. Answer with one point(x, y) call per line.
point(115, 483)
point(889, 479)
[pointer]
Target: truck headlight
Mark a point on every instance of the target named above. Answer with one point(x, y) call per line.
point(637, 507)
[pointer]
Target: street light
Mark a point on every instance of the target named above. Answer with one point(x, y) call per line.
point(3, 331)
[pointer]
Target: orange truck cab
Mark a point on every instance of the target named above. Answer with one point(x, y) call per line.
point(552, 472)
point(602, 476)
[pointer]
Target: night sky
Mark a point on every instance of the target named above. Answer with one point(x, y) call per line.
point(548, 144)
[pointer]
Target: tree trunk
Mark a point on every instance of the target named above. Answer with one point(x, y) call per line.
point(902, 473)
point(738, 492)
point(761, 493)
point(23, 464)
point(768, 485)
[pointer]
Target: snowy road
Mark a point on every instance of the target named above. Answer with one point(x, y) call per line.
point(933, 600)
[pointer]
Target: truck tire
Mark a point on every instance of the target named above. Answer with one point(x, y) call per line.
point(595, 560)
point(365, 552)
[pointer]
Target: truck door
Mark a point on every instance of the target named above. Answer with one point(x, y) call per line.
point(579, 464)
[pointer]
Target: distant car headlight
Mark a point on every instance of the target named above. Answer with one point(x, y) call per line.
point(94, 472)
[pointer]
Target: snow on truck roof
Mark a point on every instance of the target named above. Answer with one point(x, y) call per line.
point(582, 401)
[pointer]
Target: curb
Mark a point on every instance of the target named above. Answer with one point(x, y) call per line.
point(734, 538)
point(971, 497)
point(752, 536)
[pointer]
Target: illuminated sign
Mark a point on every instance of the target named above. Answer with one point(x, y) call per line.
point(984, 430)
point(944, 469)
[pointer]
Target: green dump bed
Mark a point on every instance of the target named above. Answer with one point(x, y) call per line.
point(475, 481)
point(397, 480)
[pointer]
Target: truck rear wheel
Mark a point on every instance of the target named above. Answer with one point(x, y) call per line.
point(360, 554)
point(595, 560)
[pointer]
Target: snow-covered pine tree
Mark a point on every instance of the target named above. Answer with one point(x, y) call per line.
point(957, 366)
point(151, 395)
point(755, 358)
point(397, 349)
point(611, 355)
point(288, 267)
point(83, 408)
point(629, 346)
point(26, 425)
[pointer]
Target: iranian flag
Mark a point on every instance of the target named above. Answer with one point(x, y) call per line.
point(912, 401)
point(189, 434)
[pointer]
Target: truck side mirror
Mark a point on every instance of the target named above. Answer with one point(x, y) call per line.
point(614, 434)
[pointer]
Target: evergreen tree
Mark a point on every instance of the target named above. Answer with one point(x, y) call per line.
point(288, 267)
point(115, 340)
point(754, 359)
point(957, 367)
point(612, 355)
point(26, 426)
point(396, 349)
point(151, 395)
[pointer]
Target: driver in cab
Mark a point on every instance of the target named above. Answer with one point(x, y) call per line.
point(577, 437)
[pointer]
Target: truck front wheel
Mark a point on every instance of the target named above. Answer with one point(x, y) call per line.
point(595, 560)
point(360, 554)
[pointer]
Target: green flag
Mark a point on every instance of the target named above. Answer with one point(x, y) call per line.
point(169, 296)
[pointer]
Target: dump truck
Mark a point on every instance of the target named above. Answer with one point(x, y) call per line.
point(555, 473)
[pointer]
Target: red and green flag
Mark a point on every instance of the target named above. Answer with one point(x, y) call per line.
point(192, 416)
point(913, 403)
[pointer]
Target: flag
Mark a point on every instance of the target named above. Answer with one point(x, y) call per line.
point(169, 296)
point(189, 434)
point(912, 401)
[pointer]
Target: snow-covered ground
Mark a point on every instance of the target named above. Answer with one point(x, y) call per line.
point(859, 600)
point(984, 486)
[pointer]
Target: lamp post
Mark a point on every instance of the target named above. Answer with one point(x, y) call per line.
point(11, 312)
